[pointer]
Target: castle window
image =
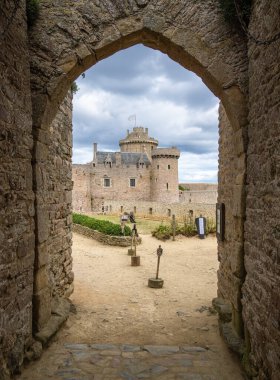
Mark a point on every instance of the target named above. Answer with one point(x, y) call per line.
point(132, 182)
point(107, 182)
point(93, 165)
point(150, 211)
point(169, 212)
point(157, 166)
point(167, 186)
point(121, 208)
point(168, 166)
point(155, 179)
point(134, 209)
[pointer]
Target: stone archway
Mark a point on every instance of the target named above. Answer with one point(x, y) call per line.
point(70, 38)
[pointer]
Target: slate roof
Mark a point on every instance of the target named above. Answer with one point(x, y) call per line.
point(127, 158)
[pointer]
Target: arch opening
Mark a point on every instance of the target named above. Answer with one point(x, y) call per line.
point(223, 84)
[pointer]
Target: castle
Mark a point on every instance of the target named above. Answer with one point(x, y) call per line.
point(139, 171)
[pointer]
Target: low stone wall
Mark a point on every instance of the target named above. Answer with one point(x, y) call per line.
point(121, 241)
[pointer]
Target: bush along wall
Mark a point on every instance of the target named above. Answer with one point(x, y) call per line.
point(103, 226)
point(165, 231)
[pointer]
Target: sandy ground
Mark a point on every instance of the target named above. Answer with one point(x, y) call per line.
point(113, 304)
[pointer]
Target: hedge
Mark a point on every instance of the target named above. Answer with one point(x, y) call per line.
point(103, 226)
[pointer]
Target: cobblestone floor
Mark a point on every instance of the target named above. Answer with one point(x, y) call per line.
point(128, 362)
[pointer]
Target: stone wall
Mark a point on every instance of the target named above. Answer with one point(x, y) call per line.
point(159, 209)
point(119, 241)
point(62, 46)
point(200, 186)
point(89, 189)
point(17, 239)
point(231, 177)
point(261, 295)
point(203, 196)
point(52, 168)
point(164, 181)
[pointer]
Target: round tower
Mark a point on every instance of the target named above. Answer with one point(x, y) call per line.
point(164, 186)
point(138, 141)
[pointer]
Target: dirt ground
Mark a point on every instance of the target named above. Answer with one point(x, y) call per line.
point(113, 304)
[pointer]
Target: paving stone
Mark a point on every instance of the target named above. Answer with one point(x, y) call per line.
point(129, 362)
point(128, 355)
point(127, 376)
point(189, 376)
point(130, 348)
point(161, 350)
point(193, 349)
point(77, 346)
point(110, 353)
point(104, 346)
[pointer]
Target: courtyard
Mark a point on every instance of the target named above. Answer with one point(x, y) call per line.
point(115, 316)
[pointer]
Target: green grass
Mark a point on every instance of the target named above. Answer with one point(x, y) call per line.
point(104, 226)
point(162, 228)
point(144, 226)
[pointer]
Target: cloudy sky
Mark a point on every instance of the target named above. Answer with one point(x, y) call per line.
point(172, 102)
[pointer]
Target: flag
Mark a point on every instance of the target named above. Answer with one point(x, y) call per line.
point(132, 118)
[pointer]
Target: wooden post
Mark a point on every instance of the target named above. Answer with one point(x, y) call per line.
point(173, 227)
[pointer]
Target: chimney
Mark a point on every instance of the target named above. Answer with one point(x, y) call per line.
point(94, 151)
point(118, 158)
point(146, 130)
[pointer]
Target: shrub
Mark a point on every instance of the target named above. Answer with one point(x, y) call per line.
point(74, 88)
point(32, 11)
point(162, 232)
point(103, 226)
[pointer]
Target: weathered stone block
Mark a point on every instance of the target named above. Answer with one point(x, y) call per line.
point(41, 308)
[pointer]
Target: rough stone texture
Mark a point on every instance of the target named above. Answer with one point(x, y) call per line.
point(261, 295)
point(52, 167)
point(231, 192)
point(155, 171)
point(160, 210)
point(121, 241)
point(199, 196)
point(17, 238)
point(69, 38)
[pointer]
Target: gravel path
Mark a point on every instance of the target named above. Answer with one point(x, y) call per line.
point(113, 304)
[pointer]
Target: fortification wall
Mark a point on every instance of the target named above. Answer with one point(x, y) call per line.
point(164, 184)
point(261, 296)
point(197, 186)
point(164, 210)
point(207, 196)
point(60, 201)
point(52, 172)
point(17, 239)
point(81, 195)
point(230, 251)
point(89, 191)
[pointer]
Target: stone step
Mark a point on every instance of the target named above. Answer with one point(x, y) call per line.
point(128, 362)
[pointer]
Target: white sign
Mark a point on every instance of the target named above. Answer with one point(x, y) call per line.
point(201, 226)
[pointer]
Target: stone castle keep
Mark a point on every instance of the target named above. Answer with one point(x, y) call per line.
point(140, 171)
point(38, 66)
